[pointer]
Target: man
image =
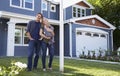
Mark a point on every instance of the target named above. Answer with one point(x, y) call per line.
point(33, 28)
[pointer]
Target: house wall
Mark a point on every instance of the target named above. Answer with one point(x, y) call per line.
point(68, 13)
point(66, 40)
point(3, 36)
point(56, 45)
point(55, 15)
point(88, 12)
point(49, 14)
point(21, 51)
point(5, 6)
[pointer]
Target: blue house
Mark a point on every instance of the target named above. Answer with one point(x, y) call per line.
point(83, 31)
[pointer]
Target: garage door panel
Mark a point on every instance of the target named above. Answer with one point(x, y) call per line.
point(85, 43)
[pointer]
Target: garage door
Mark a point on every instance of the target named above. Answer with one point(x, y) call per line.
point(89, 39)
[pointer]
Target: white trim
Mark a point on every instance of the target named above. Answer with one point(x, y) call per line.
point(70, 33)
point(93, 30)
point(15, 15)
point(10, 38)
point(20, 18)
point(93, 16)
point(21, 45)
point(88, 4)
point(54, 22)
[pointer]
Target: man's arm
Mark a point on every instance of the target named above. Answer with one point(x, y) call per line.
point(28, 31)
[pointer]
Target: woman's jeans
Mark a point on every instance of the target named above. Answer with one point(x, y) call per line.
point(51, 53)
point(34, 47)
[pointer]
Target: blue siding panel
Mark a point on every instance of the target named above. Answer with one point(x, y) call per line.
point(21, 51)
point(55, 15)
point(66, 40)
point(5, 6)
point(56, 45)
point(3, 37)
point(45, 14)
point(68, 13)
point(88, 12)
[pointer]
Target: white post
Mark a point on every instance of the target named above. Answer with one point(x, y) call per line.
point(61, 57)
point(10, 39)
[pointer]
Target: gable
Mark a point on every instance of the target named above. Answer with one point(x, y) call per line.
point(83, 4)
point(93, 22)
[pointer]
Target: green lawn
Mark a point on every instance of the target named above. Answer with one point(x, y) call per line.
point(71, 68)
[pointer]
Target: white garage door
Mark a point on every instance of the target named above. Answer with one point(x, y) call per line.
point(90, 39)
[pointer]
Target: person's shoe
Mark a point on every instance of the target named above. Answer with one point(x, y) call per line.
point(44, 69)
point(50, 69)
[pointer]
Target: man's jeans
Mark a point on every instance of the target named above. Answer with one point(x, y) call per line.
point(34, 47)
point(51, 53)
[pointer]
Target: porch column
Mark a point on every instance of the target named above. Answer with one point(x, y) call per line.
point(70, 33)
point(10, 38)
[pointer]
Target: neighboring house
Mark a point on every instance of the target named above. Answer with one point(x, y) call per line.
point(83, 31)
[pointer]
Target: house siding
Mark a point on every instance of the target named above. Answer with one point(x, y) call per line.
point(3, 36)
point(21, 51)
point(5, 6)
point(56, 45)
point(68, 13)
point(55, 15)
point(88, 12)
point(66, 40)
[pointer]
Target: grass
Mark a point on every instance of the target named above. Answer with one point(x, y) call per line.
point(71, 68)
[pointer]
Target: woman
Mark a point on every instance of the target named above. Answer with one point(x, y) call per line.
point(47, 33)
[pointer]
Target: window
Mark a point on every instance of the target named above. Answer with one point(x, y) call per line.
point(44, 5)
point(88, 34)
point(53, 8)
point(20, 36)
point(23, 4)
point(83, 13)
point(74, 12)
point(102, 35)
point(78, 11)
point(79, 33)
point(16, 3)
point(28, 4)
point(96, 35)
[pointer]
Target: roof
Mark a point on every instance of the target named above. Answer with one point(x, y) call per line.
point(92, 16)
